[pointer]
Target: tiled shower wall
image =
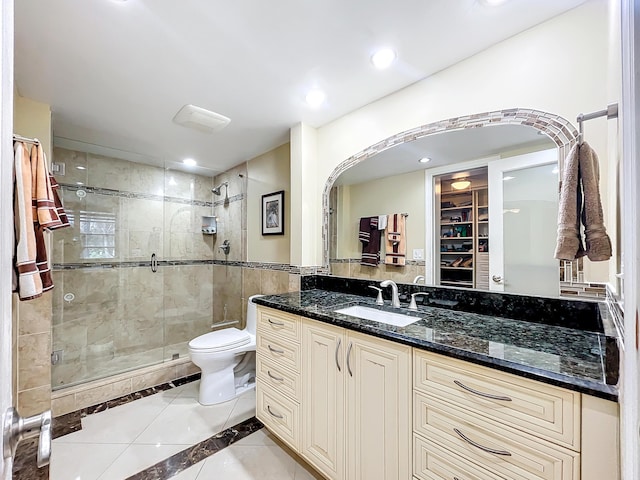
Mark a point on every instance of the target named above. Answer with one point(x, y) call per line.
point(111, 313)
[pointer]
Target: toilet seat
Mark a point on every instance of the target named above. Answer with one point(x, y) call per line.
point(220, 341)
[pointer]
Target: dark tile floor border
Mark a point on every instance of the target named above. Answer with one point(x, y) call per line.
point(72, 422)
point(195, 454)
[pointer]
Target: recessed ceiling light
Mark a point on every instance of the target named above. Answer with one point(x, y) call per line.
point(315, 98)
point(81, 167)
point(555, 170)
point(79, 183)
point(494, 3)
point(189, 162)
point(424, 160)
point(383, 58)
point(507, 178)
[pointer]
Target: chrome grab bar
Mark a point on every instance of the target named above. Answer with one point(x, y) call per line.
point(274, 350)
point(482, 394)
point(17, 428)
point(481, 447)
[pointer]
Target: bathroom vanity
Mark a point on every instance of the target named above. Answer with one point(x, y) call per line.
point(453, 395)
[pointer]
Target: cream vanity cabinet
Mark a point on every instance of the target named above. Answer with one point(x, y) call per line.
point(477, 423)
point(278, 386)
point(355, 404)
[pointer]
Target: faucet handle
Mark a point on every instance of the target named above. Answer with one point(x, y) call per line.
point(379, 300)
point(412, 305)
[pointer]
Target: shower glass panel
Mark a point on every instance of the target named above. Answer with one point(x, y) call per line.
point(187, 256)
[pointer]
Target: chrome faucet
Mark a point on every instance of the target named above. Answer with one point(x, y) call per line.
point(395, 299)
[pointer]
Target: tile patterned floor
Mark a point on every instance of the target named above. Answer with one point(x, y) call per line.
point(125, 441)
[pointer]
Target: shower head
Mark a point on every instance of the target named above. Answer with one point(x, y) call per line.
point(217, 189)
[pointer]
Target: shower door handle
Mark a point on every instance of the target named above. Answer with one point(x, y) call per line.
point(154, 263)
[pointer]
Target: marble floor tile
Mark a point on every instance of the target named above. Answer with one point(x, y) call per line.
point(122, 424)
point(82, 461)
point(136, 458)
point(244, 408)
point(249, 463)
point(190, 473)
point(186, 422)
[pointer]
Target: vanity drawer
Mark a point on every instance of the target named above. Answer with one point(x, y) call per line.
point(279, 378)
point(280, 351)
point(523, 457)
point(279, 414)
point(543, 410)
point(278, 323)
point(434, 462)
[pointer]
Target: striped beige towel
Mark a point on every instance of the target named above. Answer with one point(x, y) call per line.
point(395, 240)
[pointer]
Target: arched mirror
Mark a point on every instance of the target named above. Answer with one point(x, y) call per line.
point(477, 200)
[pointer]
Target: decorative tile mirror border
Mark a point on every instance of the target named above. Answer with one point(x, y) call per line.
point(557, 128)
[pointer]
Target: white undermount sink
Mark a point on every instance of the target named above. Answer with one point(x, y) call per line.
point(382, 316)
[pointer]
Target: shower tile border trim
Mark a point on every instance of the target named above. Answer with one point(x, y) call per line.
point(150, 196)
point(190, 456)
point(72, 422)
point(285, 267)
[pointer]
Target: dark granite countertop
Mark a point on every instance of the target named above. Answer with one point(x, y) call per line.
point(566, 357)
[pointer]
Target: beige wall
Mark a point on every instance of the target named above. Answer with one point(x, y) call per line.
point(32, 319)
point(268, 173)
point(536, 69)
point(397, 194)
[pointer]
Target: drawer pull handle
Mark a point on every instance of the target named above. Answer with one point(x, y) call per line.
point(482, 394)
point(348, 358)
point(274, 350)
point(279, 379)
point(481, 447)
point(273, 414)
point(338, 348)
point(279, 324)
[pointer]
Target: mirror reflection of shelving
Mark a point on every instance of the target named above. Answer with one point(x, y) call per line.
point(463, 231)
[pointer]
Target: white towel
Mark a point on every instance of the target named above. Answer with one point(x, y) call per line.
point(382, 222)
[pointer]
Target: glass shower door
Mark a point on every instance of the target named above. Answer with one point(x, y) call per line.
point(523, 210)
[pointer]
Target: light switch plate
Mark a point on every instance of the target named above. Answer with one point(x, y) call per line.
point(418, 254)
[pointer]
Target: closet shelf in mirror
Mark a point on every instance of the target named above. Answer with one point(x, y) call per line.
point(456, 284)
point(456, 223)
point(456, 238)
point(456, 268)
point(455, 208)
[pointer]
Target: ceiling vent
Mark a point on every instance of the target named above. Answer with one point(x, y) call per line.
point(200, 119)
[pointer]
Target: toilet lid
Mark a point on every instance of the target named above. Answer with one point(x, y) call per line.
point(220, 340)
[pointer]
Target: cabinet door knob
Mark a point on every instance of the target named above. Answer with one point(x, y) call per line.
point(496, 279)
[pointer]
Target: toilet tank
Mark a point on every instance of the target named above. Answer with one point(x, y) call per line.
point(252, 314)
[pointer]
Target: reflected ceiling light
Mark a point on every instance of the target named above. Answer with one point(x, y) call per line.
point(383, 58)
point(507, 178)
point(555, 170)
point(79, 183)
point(315, 98)
point(461, 184)
point(81, 167)
point(424, 160)
point(189, 162)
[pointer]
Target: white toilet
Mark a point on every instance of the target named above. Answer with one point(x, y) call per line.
point(227, 360)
